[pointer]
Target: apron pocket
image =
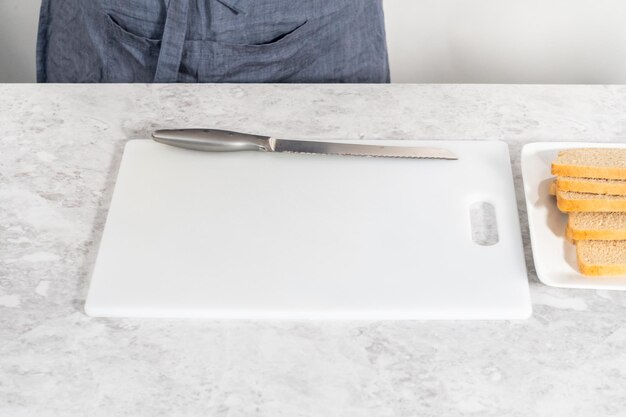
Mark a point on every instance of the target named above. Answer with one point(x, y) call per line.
point(129, 57)
point(276, 60)
point(145, 18)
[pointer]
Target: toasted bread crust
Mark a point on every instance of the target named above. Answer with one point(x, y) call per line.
point(588, 171)
point(600, 270)
point(553, 188)
point(574, 235)
point(568, 235)
point(591, 202)
point(592, 186)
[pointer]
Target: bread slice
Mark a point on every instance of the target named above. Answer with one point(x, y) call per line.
point(607, 163)
point(569, 236)
point(596, 226)
point(601, 257)
point(552, 188)
point(568, 201)
point(591, 185)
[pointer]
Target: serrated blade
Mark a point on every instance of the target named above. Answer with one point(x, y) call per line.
point(336, 148)
point(216, 140)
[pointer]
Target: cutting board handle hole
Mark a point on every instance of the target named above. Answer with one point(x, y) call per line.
point(484, 224)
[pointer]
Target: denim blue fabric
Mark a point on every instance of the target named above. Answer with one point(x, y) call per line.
point(239, 41)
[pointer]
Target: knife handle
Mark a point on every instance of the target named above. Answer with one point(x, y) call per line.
point(212, 140)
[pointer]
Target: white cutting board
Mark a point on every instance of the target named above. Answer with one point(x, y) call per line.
point(287, 236)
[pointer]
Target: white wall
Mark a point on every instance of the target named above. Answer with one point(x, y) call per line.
point(18, 35)
point(507, 41)
point(501, 41)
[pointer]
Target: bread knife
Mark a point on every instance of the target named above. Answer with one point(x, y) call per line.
point(214, 140)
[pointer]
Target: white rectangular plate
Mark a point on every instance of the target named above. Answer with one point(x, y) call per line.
point(555, 257)
point(283, 236)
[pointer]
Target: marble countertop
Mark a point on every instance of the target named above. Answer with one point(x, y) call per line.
point(60, 146)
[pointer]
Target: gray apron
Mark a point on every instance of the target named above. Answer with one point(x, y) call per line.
point(237, 41)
